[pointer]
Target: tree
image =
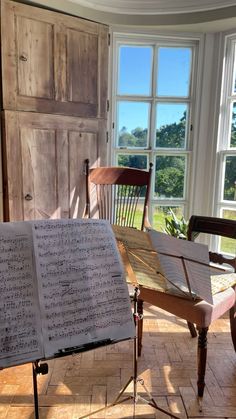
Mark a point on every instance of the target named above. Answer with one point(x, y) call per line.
point(137, 137)
point(132, 160)
point(140, 136)
point(230, 178)
point(169, 179)
point(125, 138)
point(233, 129)
point(172, 135)
point(170, 170)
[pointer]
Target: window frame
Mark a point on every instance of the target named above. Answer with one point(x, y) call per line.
point(195, 43)
point(225, 120)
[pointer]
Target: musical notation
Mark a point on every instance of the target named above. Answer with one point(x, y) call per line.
point(82, 285)
point(18, 297)
point(62, 285)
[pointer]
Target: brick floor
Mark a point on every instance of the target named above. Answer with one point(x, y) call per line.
point(78, 385)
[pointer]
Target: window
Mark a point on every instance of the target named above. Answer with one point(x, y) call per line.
point(152, 116)
point(226, 168)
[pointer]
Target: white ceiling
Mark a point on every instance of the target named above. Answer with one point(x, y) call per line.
point(157, 7)
point(164, 15)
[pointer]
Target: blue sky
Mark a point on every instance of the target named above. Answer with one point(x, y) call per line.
point(135, 72)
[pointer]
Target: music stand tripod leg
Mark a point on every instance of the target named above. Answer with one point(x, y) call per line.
point(37, 369)
point(135, 379)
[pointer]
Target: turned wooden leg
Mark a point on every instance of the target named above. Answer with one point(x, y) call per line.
point(140, 326)
point(202, 356)
point(192, 329)
point(232, 317)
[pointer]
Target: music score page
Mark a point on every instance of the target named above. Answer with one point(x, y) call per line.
point(62, 287)
point(82, 289)
point(20, 326)
point(185, 265)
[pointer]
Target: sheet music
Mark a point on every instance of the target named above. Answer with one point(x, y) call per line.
point(132, 238)
point(147, 269)
point(196, 260)
point(82, 289)
point(141, 256)
point(221, 279)
point(20, 332)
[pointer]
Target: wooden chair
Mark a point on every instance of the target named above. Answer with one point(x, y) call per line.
point(199, 312)
point(215, 227)
point(117, 194)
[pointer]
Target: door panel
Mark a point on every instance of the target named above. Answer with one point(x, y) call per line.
point(39, 173)
point(82, 60)
point(35, 52)
point(53, 63)
point(47, 179)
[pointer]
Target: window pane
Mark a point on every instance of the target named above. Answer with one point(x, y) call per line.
point(161, 213)
point(173, 75)
point(135, 64)
point(132, 160)
point(171, 125)
point(230, 178)
point(228, 245)
point(132, 124)
point(169, 176)
point(137, 162)
point(234, 77)
point(233, 127)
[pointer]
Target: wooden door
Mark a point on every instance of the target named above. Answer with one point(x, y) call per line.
point(44, 168)
point(53, 63)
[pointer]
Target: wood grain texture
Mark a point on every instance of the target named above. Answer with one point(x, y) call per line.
point(35, 58)
point(102, 71)
point(62, 164)
point(82, 66)
point(39, 173)
point(45, 162)
point(12, 168)
point(80, 146)
point(53, 63)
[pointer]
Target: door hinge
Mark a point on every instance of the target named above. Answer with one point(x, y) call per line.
point(108, 105)
point(107, 138)
point(109, 39)
point(191, 127)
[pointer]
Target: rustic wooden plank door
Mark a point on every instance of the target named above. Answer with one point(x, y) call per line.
point(53, 63)
point(54, 71)
point(46, 178)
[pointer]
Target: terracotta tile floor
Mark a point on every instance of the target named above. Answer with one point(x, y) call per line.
point(78, 385)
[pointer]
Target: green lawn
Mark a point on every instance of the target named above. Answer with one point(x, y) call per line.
point(158, 220)
point(228, 245)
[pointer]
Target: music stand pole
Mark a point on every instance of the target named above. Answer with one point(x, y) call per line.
point(135, 378)
point(37, 369)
